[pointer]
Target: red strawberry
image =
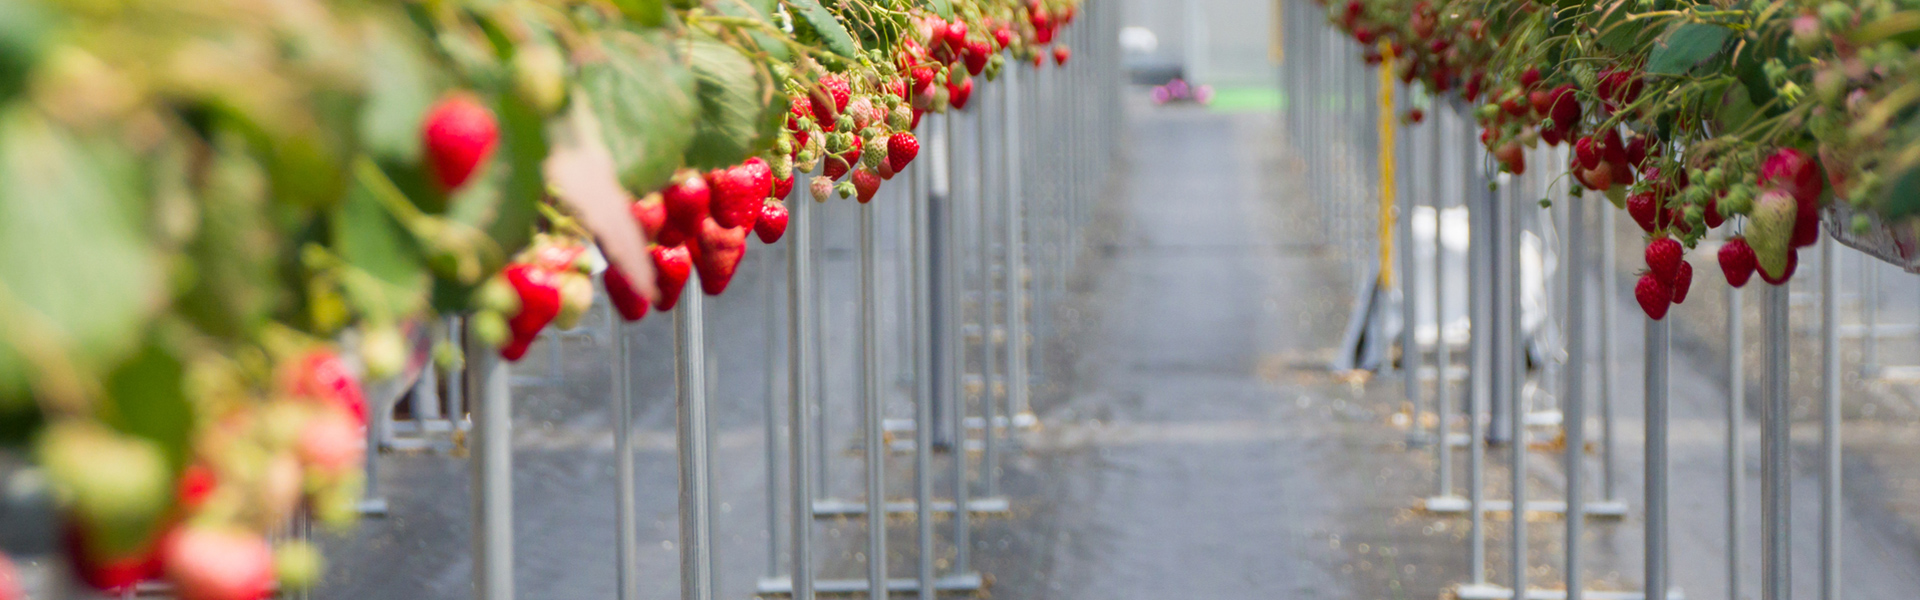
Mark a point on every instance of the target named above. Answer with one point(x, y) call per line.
point(866, 183)
point(1612, 148)
point(651, 213)
point(772, 223)
point(976, 56)
point(1793, 261)
point(458, 134)
point(1002, 37)
point(1541, 101)
point(1061, 53)
point(782, 187)
point(1530, 77)
point(1737, 261)
point(1677, 218)
point(1565, 110)
point(798, 107)
point(630, 303)
point(1796, 173)
point(922, 79)
point(718, 255)
point(1664, 257)
point(956, 34)
point(836, 166)
point(1654, 295)
point(836, 88)
point(739, 191)
point(1644, 209)
point(206, 563)
point(322, 375)
point(1637, 151)
point(1511, 157)
point(672, 265)
point(114, 575)
point(1585, 153)
point(1682, 280)
point(1806, 227)
point(902, 148)
point(688, 201)
point(539, 299)
point(959, 93)
point(1622, 173)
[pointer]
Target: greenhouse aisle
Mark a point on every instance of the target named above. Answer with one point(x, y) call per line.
point(1207, 452)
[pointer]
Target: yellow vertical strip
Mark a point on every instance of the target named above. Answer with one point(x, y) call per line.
point(1387, 122)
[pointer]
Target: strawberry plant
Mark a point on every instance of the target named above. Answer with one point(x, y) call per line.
point(257, 205)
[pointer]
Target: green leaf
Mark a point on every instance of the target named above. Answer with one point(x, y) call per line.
point(1736, 109)
point(1902, 196)
point(77, 269)
point(523, 145)
point(644, 102)
point(148, 398)
point(944, 8)
point(1685, 46)
point(731, 94)
point(647, 13)
point(1620, 35)
point(763, 11)
point(824, 25)
point(371, 240)
point(25, 30)
point(234, 283)
point(399, 91)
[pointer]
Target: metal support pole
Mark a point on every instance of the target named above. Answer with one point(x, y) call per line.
point(1830, 420)
point(923, 381)
point(696, 461)
point(1776, 491)
point(1736, 450)
point(492, 471)
point(1482, 370)
point(772, 409)
point(800, 373)
point(1508, 364)
point(872, 402)
point(947, 264)
point(1442, 352)
point(627, 514)
point(817, 405)
point(983, 238)
point(1018, 402)
point(1609, 285)
point(1658, 334)
point(1573, 388)
point(1410, 355)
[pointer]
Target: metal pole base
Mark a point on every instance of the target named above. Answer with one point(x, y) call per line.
point(964, 582)
point(1022, 420)
point(1456, 505)
point(833, 507)
point(1495, 592)
point(373, 507)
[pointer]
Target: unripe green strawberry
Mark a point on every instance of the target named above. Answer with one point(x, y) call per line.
point(875, 152)
point(490, 327)
point(901, 119)
point(383, 350)
point(576, 298)
point(782, 167)
point(1770, 230)
point(1739, 200)
point(845, 189)
point(539, 76)
point(118, 486)
point(297, 565)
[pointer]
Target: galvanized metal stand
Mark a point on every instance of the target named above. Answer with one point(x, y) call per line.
point(492, 439)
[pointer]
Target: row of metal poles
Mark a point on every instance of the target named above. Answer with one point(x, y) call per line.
point(1526, 280)
point(985, 230)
